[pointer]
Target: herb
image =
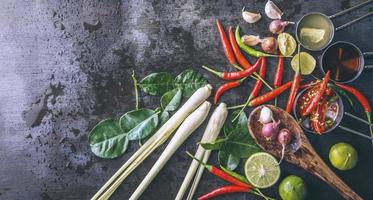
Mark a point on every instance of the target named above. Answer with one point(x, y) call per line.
point(189, 81)
point(228, 160)
point(237, 142)
point(107, 140)
point(156, 83)
point(139, 124)
point(171, 100)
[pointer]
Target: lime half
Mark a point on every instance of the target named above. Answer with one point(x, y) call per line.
point(262, 170)
point(286, 44)
point(307, 63)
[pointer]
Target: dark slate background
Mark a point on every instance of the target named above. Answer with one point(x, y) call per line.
point(65, 65)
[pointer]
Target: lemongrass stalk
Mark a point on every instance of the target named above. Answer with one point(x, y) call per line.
point(166, 130)
point(198, 177)
point(212, 130)
point(191, 123)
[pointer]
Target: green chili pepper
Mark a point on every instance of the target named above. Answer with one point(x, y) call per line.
point(248, 49)
point(342, 93)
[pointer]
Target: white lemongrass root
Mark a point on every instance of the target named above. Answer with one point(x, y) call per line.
point(212, 130)
point(164, 132)
point(190, 124)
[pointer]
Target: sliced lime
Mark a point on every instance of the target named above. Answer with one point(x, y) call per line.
point(262, 170)
point(286, 44)
point(307, 63)
point(314, 35)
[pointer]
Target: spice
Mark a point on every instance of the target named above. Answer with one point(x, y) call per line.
point(251, 40)
point(250, 17)
point(270, 95)
point(269, 45)
point(221, 174)
point(318, 117)
point(362, 100)
point(226, 86)
point(236, 50)
point(235, 75)
point(228, 51)
point(278, 26)
point(272, 10)
point(315, 100)
point(224, 190)
point(248, 49)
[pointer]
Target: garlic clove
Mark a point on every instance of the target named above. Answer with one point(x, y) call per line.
point(251, 40)
point(250, 17)
point(272, 10)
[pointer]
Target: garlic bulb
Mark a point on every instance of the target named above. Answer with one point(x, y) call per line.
point(250, 17)
point(272, 11)
point(251, 40)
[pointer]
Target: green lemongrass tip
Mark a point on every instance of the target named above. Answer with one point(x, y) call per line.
point(199, 161)
point(370, 126)
point(265, 82)
point(219, 74)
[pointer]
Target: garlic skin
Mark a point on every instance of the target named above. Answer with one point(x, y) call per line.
point(272, 10)
point(251, 40)
point(250, 17)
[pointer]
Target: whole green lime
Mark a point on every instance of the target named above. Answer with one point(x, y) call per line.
point(292, 188)
point(343, 156)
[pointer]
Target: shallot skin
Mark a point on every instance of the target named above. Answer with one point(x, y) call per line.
point(269, 45)
point(270, 130)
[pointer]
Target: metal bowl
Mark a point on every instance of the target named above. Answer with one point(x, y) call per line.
point(337, 120)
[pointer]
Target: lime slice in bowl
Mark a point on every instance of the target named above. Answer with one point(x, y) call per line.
point(314, 35)
point(286, 44)
point(262, 170)
point(307, 63)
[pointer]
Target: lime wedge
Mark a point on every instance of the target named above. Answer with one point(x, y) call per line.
point(313, 35)
point(286, 44)
point(262, 170)
point(307, 63)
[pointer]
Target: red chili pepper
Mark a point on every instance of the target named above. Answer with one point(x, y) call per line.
point(315, 100)
point(224, 190)
point(270, 95)
point(226, 45)
point(225, 87)
point(293, 91)
point(318, 117)
point(235, 75)
point(362, 100)
point(258, 84)
point(220, 173)
point(236, 50)
point(277, 81)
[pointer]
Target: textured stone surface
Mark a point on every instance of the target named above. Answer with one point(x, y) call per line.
point(65, 65)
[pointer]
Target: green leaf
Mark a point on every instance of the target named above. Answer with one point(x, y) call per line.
point(157, 83)
point(107, 140)
point(139, 124)
point(171, 100)
point(164, 117)
point(216, 145)
point(240, 144)
point(228, 160)
point(189, 81)
point(239, 123)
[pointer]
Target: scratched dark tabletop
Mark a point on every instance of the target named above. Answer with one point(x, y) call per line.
point(65, 65)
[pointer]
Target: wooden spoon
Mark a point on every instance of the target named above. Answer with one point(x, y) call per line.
point(304, 156)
